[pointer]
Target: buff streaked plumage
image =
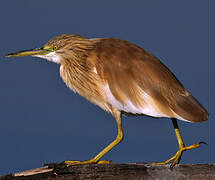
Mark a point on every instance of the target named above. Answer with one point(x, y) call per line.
point(121, 78)
point(132, 75)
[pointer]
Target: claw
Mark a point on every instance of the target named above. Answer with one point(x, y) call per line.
point(104, 162)
point(176, 158)
point(202, 142)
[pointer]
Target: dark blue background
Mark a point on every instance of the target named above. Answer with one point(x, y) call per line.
point(42, 121)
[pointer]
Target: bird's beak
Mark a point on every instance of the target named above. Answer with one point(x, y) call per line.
point(30, 52)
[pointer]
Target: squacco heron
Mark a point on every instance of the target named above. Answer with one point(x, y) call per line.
point(121, 78)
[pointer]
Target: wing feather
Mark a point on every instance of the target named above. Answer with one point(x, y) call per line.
point(131, 71)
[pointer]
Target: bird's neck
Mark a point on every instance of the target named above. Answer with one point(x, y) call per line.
point(76, 52)
point(76, 69)
point(52, 57)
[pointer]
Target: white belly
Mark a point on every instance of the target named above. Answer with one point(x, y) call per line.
point(129, 107)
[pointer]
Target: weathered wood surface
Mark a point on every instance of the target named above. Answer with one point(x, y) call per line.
point(139, 171)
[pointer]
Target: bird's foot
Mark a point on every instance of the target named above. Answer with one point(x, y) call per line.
point(176, 158)
point(91, 161)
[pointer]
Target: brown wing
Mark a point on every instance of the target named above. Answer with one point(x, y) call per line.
point(126, 66)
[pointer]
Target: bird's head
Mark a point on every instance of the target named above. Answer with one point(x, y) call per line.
point(53, 49)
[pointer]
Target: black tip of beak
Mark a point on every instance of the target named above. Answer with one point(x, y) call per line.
point(9, 55)
point(23, 52)
point(16, 53)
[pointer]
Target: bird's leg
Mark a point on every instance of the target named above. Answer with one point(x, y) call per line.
point(176, 158)
point(118, 139)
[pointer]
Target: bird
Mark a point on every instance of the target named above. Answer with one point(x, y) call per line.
point(123, 79)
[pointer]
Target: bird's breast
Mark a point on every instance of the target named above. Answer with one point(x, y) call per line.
point(90, 86)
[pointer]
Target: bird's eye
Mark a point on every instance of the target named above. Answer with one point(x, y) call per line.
point(55, 47)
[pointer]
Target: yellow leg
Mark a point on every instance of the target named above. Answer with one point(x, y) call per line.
point(176, 158)
point(118, 139)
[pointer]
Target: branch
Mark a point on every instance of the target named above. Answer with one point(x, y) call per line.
point(117, 171)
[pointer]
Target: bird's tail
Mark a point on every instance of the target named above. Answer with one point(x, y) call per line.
point(189, 109)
